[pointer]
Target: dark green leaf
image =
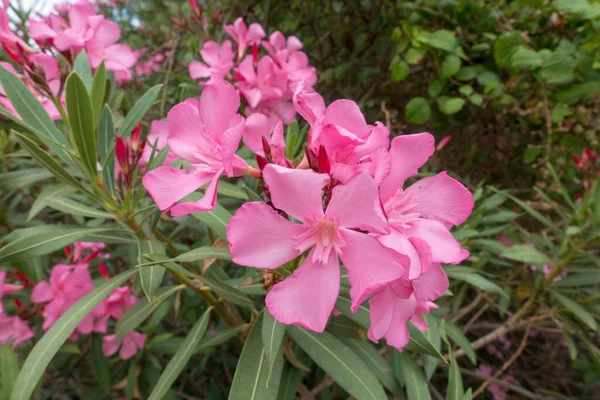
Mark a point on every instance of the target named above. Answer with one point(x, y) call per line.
point(106, 143)
point(416, 385)
point(526, 254)
point(81, 119)
point(376, 363)
point(138, 111)
point(98, 91)
point(417, 111)
point(9, 369)
point(272, 337)
point(577, 309)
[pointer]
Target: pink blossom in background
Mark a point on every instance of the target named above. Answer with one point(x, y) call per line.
point(207, 133)
point(94, 251)
point(498, 392)
point(114, 306)
point(128, 348)
point(244, 36)
point(6, 288)
point(13, 329)
point(258, 132)
point(547, 269)
point(259, 237)
point(218, 60)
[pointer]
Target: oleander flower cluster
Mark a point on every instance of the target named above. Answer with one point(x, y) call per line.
point(67, 284)
point(266, 83)
point(347, 203)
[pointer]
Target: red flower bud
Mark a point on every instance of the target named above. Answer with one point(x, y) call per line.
point(261, 161)
point(103, 270)
point(121, 152)
point(312, 158)
point(323, 161)
point(135, 136)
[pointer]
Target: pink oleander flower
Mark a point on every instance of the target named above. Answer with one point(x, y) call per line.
point(207, 133)
point(498, 392)
point(12, 44)
point(218, 60)
point(13, 329)
point(260, 237)
point(352, 146)
point(258, 137)
point(129, 347)
point(94, 247)
point(547, 269)
point(279, 48)
point(114, 306)
point(159, 134)
point(6, 288)
point(68, 284)
point(245, 36)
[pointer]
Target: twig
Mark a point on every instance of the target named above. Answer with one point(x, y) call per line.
point(305, 394)
point(475, 317)
point(508, 362)
point(163, 101)
point(466, 310)
point(325, 383)
point(514, 388)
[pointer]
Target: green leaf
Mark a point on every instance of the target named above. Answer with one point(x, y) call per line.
point(30, 110)
point(435, 88)
point(142, 310)
point(47, 161)
point(466, 74)
point(202, 253)
point(138, 111)
point(20, 179)
point(400, 71)
point(375, 362)
point(53, 339)
point(218, 338)
point(216, 219)
point(416, 385)
point(100, 365)
point(181, 358)
point(254, 379)
point(450, 105)
point(573, 8)
point(576, 279)
point(417, 111)
point(531, 154)
point(559, 67)
point(584, 316)
point(461, 340)
point(535, 214)
point(98, 91)
point(476, 99)
point(505, 47)
point(9, 369)
point(41, 242)
point(72, 207)
point(340, 362)
point(560, 112)
point(455, 389)
point(47, 192)
point(526, 254)
point(272, 337)
point(151, 277)
point(525, 57)
point(470, 276)
point(290, 379)
point(230, 190)
point(450, 65)
point(414, 56)
point(466, 90)
point(81, 65)
point(443, 39)
point(419, 343)
point(81, 119)
point(106, 143)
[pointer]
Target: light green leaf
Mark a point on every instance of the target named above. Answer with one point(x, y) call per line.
point(471, 276)
point(466, 90)
point(455, 389)
point(106, 144)
point(461, 340)
point(505, 47)
point(466, 74)
point(272, 337)
point(41, 242)
point(450, 105)
point(98, 91)
point(443, 39)
point(138, 111)
point(40, 203)
point(181, 358)
point(254, 379)
point(416, 385)
point(526, 254)
point(414, 56)
point(476, 99)
point(577, 279)
point(340, 362)
point(450, 65)
point(142, 310)
point(400, 71)
point(417, 111)
point(435, 88)
point(584, 316)
point(81, 119)
point(81, 65)
point(202, 253)
point(375, 361)
point(50, 343)
point(20, 179)
point(573, 8)
point(9, 369)
point(525, 57)
point(216, 219)
point(72, 207)
point(151, 277)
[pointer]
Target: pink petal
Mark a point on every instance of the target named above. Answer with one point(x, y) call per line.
point(40, 30)
point(347, 114)
point(408, 153)
point(310, 105)
point(381, 311)
point(257, 127)
point(109, 345)
point(261, 238)
point(432, 284)
point(128, 348)
point(219, 102)
point(380, 165)
point(199, 70)
point(167, 185)
point(230, 142)
point(356, 205)
point(441, 198)
point(42, 292)
point(404, 309)
point(206, 203)
point(418, 253)
point(378, 139)
point(296, 191)
point(107, 33)
point(307, 297)
point(187, 137)
point(210, 53)
point(255, 33)
point(371, 266)
point(444, 247)
point(293, 43)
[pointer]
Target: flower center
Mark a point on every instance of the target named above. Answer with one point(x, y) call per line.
point(323, 234)
point(398, 209)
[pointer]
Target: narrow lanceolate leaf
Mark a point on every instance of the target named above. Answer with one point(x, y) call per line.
point(218, 338)
point(416, 385)
point(254, 379)
point(376, 363)
point(9, 369)
point(340, 362)
point(82, 66)
point(216, 219)
point(138, 111)
point(98, 90)
point(534, 213)
point(49, 191)
point(100, 366)
point(53, 339)
point(290, 379)
point(419, 343)
point(273, 333)
point(526, 254)
point(72, 207)
point(47, 161)
point(181, 358)
point(472, 277)
point(577, 309)
point(142, 310)
point(81, 119)
point(42, 242)
point(460, 339)
point(151, 277)
point(455, 389)
point(204, 252)
point(30, 110)
point(106, 143)
point(20, 179)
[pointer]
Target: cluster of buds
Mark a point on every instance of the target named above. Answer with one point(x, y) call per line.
point(198, 18)
point(128, 152)
point(587, 164)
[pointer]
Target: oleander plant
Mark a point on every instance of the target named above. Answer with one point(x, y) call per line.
point(288, 200)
